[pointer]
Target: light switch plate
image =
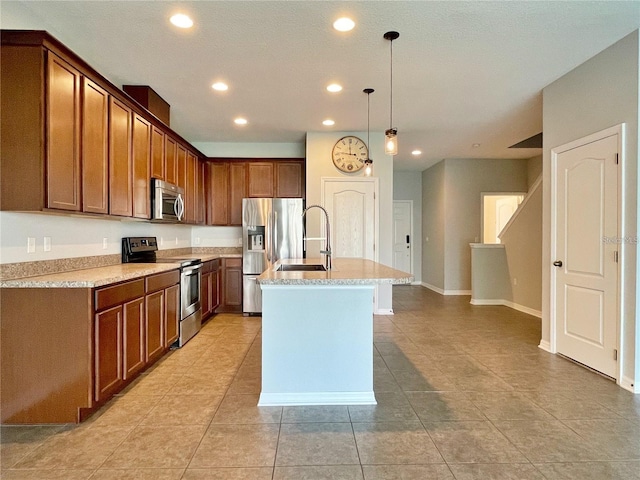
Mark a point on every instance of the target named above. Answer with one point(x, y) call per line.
point(31, 245)
point(105, 243)
point(47, 244)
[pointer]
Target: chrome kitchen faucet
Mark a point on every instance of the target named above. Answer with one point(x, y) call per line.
point(327, 245)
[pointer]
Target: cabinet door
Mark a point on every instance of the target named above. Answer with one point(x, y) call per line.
point(133, 341)
point(261, 180)
point(95, 148)
point(215, 288)
point(201, 210)
point(182, 166)
point(237, 191)
point(218, 194)
point(289, 179)
point(172, 314)
point(154, 306)
point(108, 352)
point(205, 294)
point(63, 135)
point(120, 195)
point(191, 188)
point(141, 160)
point(170, 160)
point(232, 284)
point(157, 153)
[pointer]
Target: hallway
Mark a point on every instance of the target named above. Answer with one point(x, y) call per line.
point(463, 392)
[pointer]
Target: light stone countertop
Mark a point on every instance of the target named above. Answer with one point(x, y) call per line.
point(345, 271)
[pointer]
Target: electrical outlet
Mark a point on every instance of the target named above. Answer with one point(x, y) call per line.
point(515, 281)
point(197, 240)
point(31, 245)
point(240, 241)
point(47, 244)
point(161, 241)
point(426, 239)
point(176, 240)
point(105, 243)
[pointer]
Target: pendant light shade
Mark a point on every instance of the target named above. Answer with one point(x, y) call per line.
point(368, 169)
point(391, 134)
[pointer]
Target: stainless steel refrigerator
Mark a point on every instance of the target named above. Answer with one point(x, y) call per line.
point(271, 231)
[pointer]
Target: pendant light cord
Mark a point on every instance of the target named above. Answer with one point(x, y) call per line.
point(368, 106)
point(391, 86)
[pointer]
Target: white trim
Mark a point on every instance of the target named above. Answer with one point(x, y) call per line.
point(537, 184)
point(457, 292)
point(487, 245)
point(507, 303)
point(432, 287)
point(317, 398)
point(627, 384)
point(619, 131)
point(383, 311)
point(413, 234)
point(546, 346)
point(416, 282)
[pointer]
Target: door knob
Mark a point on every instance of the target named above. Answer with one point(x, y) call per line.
point(557, 263)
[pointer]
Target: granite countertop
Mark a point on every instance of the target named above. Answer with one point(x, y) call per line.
point(345, 271)
point(101, 276)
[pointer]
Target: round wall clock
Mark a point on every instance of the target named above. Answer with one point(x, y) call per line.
point(349, 154)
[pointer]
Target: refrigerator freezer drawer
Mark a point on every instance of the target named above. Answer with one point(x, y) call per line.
point(251, 294)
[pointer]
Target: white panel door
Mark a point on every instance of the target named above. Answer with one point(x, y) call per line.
point(585, 264)
point(402, 236)
point(351, 208)
point(505, 208)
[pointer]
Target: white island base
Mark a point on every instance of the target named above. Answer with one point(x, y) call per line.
point(317, 345)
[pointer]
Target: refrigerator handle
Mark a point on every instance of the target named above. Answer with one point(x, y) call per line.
point(267, 239)
point(275, 237)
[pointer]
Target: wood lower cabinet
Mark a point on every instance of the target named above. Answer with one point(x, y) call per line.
point(172, 314)
point(155, 314)
point(210, 288)
point(133, 337)
point(108, 353)
point(231, 282)
point(63, 133)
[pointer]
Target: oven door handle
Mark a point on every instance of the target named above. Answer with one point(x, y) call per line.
point(191, 269)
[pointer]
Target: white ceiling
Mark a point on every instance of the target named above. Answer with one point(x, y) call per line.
point(465, 72)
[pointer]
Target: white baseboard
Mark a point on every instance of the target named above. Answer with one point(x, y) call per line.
point(628, 384)
point(506, 303)
point(416, 283)
point(383, 311)
point(545, 345)
point(317, 398)
point(445, 292)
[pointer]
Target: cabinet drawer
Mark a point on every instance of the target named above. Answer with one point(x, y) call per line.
point(215, 264)
point(117, 294)
point(162, 280)
point(207, 266)
point(232, 262)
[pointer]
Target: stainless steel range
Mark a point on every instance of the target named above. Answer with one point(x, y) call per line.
point(143, 250)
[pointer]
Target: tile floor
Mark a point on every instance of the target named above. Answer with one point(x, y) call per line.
point(463, 392)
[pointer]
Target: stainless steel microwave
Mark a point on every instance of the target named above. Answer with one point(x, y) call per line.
point(167, 202)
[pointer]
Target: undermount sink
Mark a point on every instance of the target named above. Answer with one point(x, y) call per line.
point(302, 267)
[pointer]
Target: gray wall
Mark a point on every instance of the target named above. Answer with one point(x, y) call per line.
point(600, 93)
point(465, 180)
point(534, 169)
point(433, 214)
point(408, 186)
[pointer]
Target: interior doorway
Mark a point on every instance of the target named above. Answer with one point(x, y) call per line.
point(497, 210)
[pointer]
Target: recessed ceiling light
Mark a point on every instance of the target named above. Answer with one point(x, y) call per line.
point(475, 145)
point(334, 87)
point(220, 86)
point(181, 20)
point(328, 122)
point(240, 121)
point(344, 24)
point(416, 152)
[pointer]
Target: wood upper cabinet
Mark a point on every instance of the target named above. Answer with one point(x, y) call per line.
point(181, 157)
point(157, 153)
point(218, 193)
point(289, 178)
point(120, 165)
point(95, 148)
point(201, 200)
point(191, 189)
point(141, 177)
point(172, 314)
point(133, 338)
point(237, 191)
point(63, 135)
point(170, 160)
point(108, 352)
point(261, 180)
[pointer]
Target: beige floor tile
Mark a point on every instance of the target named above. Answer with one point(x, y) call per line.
point(125, 410)
point(17, 441)
point(507, 406)
point(76, 448)
point(490, 471)
point(183, 410)
point(244, 409)
point(618, 438)
point(570, 407)
point(333, 472)
point(259, 473)
point(590, 470)
point(316, 444)
point(472, 442)
point(201, 384)
point(156, 447)
point(443, 406)
point(407, 472)
point(138, 474)
point(395, 443)
point(391, 407)
point(237, 446)
point(315, 413)
point(51, 474)
point(156, 383)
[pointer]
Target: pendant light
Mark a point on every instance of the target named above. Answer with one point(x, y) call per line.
point(391, 135)
point(368, 162)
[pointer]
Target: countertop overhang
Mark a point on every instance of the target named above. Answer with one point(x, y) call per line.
point(345, 271)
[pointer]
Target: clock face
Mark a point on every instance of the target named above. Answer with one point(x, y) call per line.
point(349, 154)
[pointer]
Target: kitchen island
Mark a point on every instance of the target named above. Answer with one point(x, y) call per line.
point(317, 332)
